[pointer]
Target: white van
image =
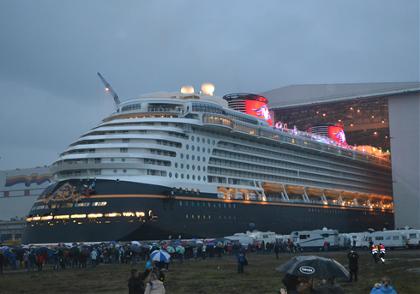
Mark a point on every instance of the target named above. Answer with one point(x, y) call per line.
point(391, 238)
point(361, 240)
point(315, 239)
point(412, 236)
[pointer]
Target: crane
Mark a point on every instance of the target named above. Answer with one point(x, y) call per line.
point(109, 90)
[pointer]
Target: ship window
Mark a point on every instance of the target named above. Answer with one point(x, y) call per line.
point(186, 216)
point(198, 216)
point(199, 178)
point(198, 148)
point(180, 203)
point(395, 237)
point(192, 147)
point(115, 170)
point(192, 216)
point(192, 203)
point(193, 177)
point(170, 175)
point(187, 156)
point(188, 166)
point(208, 150)
point(124, 170)
point(204, 178)
point(182, 165)
point(112, 159)
point(122, 159)
point(188, 176)
point(209, 216)
point(193, 167)
point(224, 205)
point(176, 164)
point(123, 150)
point(176, 175)
point(182, 155)
point(198, 139)
point(192, 138)
point(198, 168)
point(188, 146)
point(193, 157)
point(182, 176)
point(204, 217)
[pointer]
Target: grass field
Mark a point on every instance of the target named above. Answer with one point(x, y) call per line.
point(214, 276)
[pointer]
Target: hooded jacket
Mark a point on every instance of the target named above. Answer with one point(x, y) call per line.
point(383, 290)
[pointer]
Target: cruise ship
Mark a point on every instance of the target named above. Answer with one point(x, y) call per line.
point(186, 165)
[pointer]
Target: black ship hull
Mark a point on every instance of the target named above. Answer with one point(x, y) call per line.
point(163, 213)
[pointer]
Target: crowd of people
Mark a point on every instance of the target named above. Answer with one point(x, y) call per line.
point(151, 279)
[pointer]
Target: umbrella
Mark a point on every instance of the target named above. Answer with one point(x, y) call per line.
point(170, 249)
point(160, 256)
point(180, 249)
point(135, 243)
point(314, 267)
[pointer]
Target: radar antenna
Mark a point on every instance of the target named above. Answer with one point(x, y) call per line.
point(109, 90)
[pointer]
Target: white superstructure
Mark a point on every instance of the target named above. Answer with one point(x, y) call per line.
point(194, 142)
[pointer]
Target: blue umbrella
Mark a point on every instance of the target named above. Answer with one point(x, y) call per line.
point(160, 256)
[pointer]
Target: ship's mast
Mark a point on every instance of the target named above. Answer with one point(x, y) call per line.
point(110, 90)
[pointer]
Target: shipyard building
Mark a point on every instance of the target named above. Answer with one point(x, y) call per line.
point(380, 118)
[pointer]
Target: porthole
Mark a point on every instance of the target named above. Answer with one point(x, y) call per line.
point(182, 165)
point(208, 141)
point(192, 147)
point(193, 157)
point(192, 138)
point(198, 168)
point(182, 155)
point(170, 175)
point(193, 167)
point(188, 166)
point(198, 148)
point(203, 140)
point(176, 164)
point(187, 156)
point(124, 170)
point(208, 150)
point(176, 175)
point(187, 147)
point(182, 176)
point(204, 178)
point(204, 168)
point(199, 178)
point(188, 176)
point(193, 177)
point(186, 216)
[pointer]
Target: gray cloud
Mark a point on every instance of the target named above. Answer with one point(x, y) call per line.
point(51, 50)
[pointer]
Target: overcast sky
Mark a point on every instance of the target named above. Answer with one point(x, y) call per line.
point(50, 52)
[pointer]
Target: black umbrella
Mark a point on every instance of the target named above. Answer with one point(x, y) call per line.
point(314, 267)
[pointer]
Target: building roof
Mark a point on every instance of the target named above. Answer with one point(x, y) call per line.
point(297, 95)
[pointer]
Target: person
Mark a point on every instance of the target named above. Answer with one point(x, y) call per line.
point(135, 284)
point(353, 258)
point(374, 250)
point(384, 287)
point(2, 260)
point(277, 249)
point(329, 287)
point(382, 252)
point(154, 285)
point(242, 261)
point(290, 282)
